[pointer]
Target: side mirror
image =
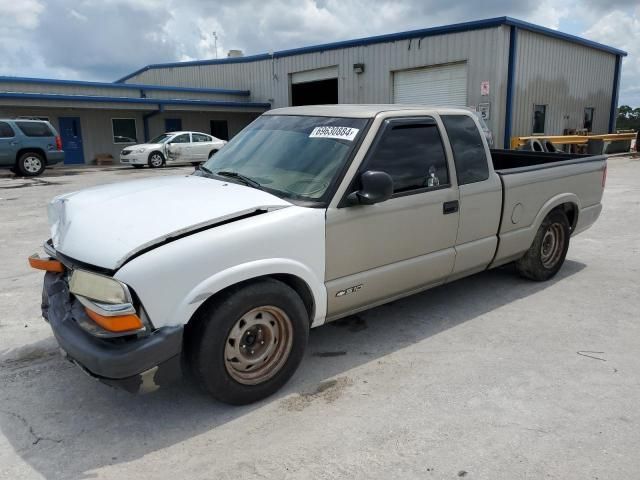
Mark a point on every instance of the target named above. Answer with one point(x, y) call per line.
point(376, 187)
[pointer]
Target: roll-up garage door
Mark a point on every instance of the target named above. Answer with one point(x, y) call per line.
point(444, 85)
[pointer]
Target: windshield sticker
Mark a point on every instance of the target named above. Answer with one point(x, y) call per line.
point(341, 133)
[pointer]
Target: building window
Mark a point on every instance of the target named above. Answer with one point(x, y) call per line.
point(219, 129)
point(172, 124)
point(588, 118)
point(539, 114)
point(124, 130)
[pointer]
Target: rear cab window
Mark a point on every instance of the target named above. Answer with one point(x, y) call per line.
point(469, 154)
point(35, 129)
point(412, 153)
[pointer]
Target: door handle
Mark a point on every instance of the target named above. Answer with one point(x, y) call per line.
point(450, 207)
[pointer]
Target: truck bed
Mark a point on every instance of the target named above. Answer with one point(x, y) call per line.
point(508, 160)
point(532, 182)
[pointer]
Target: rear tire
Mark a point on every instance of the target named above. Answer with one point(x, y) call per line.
point(30, 164)
point(245, 345)
point(548, 250)
point(212, 153)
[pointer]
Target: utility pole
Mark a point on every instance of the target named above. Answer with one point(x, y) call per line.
point(215, 42)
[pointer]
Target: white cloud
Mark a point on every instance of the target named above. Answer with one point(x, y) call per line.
point(21, 14)
point(78, 16)
point(622, 28)
point(106, 39)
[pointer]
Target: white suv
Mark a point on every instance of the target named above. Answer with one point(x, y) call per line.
point(172, 147)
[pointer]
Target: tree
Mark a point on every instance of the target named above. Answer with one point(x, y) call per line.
point(628, 118)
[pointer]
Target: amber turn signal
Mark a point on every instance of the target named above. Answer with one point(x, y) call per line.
point(119, 323)
point(46, 264)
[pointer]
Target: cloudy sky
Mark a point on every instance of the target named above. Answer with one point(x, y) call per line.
point(106, 39)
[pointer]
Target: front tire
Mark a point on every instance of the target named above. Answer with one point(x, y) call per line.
point(548, 250)
point(31, 164)
point(247, 343)
point(156, 160)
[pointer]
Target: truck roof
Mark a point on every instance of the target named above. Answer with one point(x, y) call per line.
point(358, 111)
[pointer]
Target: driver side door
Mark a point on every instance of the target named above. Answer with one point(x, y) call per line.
point(375, 253)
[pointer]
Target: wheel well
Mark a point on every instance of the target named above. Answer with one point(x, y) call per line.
point(22, 151)
point(212, 152)
point(296, 283)
point(571, 211)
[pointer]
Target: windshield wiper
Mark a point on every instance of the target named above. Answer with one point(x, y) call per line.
point(244, 179)
point(205, 169)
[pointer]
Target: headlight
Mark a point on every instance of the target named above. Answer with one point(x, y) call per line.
point(98, 287)
point(107, 302)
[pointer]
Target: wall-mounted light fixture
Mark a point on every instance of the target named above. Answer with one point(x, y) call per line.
point(358, 67)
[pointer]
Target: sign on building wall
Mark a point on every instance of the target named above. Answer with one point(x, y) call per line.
point(484, 88)
point(485, 110)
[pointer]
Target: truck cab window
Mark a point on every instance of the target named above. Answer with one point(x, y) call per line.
point(413, 155)
point(469, 154)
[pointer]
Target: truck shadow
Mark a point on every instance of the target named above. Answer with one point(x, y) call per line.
point(62, 424)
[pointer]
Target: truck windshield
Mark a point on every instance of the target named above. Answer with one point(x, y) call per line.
point(296, 157)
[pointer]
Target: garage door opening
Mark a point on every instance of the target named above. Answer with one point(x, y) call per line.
point(320, 92)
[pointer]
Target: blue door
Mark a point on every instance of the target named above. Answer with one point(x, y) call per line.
point(71, 139)
point(172, 124)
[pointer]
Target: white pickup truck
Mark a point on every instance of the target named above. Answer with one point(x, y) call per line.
point(310, 214)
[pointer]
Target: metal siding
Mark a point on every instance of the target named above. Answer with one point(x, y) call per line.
point(564, 76)
point(62, 89)
point(485, 52)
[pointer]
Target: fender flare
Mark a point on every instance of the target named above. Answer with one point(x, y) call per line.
point(555, 202)
point(201, 292)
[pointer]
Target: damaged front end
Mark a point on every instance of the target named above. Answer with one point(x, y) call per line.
point(101, 327)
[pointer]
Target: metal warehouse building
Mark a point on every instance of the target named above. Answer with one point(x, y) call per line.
point(525, 79)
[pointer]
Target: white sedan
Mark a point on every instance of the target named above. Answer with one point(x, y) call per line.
point(170, 148)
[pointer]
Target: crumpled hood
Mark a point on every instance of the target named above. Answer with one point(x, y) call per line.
point(105, 225)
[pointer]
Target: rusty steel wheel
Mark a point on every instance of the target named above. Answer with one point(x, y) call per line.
point(258, 345)
point(552, 246)
point(548, 250)
point(247, 341)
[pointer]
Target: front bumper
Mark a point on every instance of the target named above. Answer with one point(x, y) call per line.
point(138, 364)
point(132, 159)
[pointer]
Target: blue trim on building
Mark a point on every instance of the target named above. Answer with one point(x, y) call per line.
point(421, 33)
point(511, 78)
point(147, 101)
point(130, 86)
point(614, 95)
point(145, 121)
